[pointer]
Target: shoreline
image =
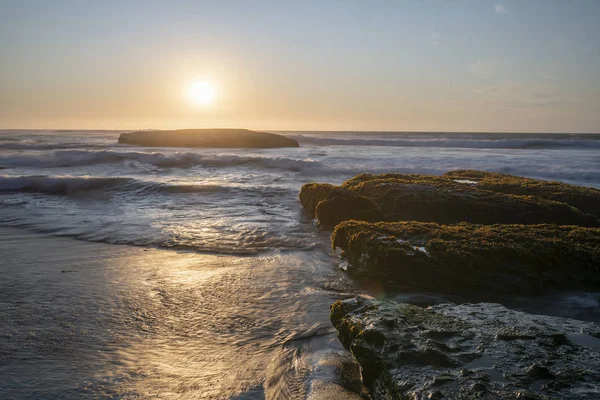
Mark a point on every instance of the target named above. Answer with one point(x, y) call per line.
point(94, 319)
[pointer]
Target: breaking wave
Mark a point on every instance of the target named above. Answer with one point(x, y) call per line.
point(67, 185)
point(9, 144)
point(74, 158)
point(454, 141)
point(246, 242)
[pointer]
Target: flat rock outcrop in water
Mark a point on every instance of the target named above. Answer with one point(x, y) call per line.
point(464, 258)
point(445, 200)
point(584, 198)
point(225, 138)
point(475, 234)
point(471, 351)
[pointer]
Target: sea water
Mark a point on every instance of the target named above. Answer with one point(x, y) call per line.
point(207, 279)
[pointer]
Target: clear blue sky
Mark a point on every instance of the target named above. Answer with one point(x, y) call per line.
point(365, 65)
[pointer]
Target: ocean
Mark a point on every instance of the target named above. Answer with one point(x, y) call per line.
point(131, 272)
point(86, 186)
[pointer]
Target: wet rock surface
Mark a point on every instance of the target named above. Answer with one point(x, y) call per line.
point(330, 205)
point(584, 198)
point(463, 258)
point(469, 351)
point(469, 235)
point(447, 200)
point(224, 138)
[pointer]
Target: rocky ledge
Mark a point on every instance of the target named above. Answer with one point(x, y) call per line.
point(478, 235)
point(470, 351)
point(468, 258)
point(448, 199)
point(584, 198)
point(225, 138)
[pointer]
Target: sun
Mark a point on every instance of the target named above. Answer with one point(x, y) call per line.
point(202, 93)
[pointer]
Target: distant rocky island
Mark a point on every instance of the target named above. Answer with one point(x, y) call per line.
point(473, 234)
point(225, 138)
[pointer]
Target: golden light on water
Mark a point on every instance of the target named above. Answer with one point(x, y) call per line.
point(202, 93)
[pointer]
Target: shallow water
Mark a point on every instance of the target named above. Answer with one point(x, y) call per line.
point(88, 320)
point(226, 291)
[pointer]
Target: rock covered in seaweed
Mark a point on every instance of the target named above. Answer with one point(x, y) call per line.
point(469, 351)
point(330, 205)
point(466, 257)
point(225, 138)
point(584, 198)
point(431, 198)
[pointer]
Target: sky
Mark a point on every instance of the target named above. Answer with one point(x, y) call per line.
point(483, 66)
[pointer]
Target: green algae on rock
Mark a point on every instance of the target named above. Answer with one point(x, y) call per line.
point(429, 198)
point(465, 257)
point(330, 205)
point(584, 198)
point(482, 351)
point(224, 138)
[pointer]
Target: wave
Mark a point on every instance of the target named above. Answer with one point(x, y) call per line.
point(67, 185)
point(9, 144)
point(74, 158)
point(230, 245)
point(75, 185)
point(451, 142)
point(177, 234)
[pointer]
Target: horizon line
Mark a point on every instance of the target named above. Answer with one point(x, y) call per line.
point(302, 130)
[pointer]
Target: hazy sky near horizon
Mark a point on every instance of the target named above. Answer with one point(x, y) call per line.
point(522, 65)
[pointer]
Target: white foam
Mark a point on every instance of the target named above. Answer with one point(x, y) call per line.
point(467, 181)
point(474, 141)
point(343, 265)
point(74, 158)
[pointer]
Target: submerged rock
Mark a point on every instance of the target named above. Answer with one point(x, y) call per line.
point(471, 351)
point(227, 138)
point(584, 198)
point(330, 205)
point(429, 198)
point(466, 257)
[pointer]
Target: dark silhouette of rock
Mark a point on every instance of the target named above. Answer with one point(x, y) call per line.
point(226, 138)
point(471, 351)
point(469, 258)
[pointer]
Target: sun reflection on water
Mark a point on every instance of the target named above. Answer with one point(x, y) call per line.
point(134, 322)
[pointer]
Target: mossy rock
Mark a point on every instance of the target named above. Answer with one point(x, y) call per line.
point(428, 203)
point(463, 258)
point(312, 193)
point(584, 198)
point(358, 180)
point(331, 205)
point(429, 198)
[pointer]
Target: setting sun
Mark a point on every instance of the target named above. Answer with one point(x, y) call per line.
point(202, 93)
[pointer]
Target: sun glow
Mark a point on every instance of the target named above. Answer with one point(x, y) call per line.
point(202, 93)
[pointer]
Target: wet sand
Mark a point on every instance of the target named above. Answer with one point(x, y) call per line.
point(89, 320)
